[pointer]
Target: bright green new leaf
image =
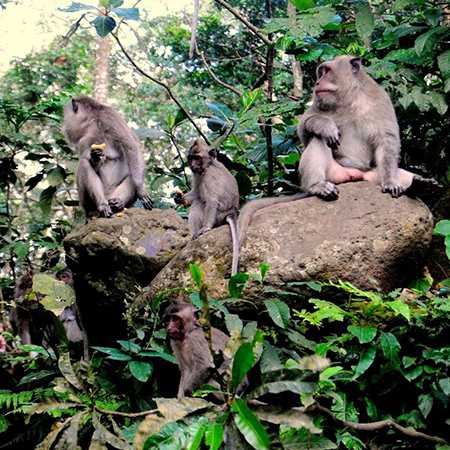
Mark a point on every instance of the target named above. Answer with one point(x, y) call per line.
point(214, 435)
point(301, 5)
point(250, 426)
point(237, 284)
point(363, 334)
point(140, 370)
point(196, 274)
point(400, 308)
point(442, 228)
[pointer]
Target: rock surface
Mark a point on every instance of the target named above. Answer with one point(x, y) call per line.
point(112, 258)
point(365, 237)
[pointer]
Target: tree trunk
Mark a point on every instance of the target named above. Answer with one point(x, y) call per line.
point(297, 73)
point(101, 77)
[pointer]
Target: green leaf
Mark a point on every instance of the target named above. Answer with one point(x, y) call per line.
point(249, 98)
point(35, 376)
point(365, 361)
point(114, 353)
point(243, 361)
point(263, 269)
point(46, 198)
point(425, 42)
point(104, 25)
point(250, 426)
point(270, 359)
point(214, 435)
point(127, 13)
point(365, 23)
point(363, 334)
point(300, 340)
point(400, 308)
point(412, 374)
point(425, 404)
point(278, 312)
point(197, 274)
point(391, 349)
point(140, 370)
point(442, 228)
point(198, 437)
point(56, 176)
point(444, 383)
point(75, 6)
point(129, 346)
point(237, 284)
point(301, 5)
point(444, 63)
point(3, 424)
point(438, 102)
point(303, 439)
point(155, 354)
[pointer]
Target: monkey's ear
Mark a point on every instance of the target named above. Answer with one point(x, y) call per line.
point(356, 64)
point(74, 106)
point(213, 153)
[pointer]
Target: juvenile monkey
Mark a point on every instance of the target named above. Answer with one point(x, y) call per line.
point(191, 348)
point(110, 175)
point(214, 198)
point(350, 133)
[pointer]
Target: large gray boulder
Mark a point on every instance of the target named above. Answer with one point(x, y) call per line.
point(112, 259)
point(365, 237)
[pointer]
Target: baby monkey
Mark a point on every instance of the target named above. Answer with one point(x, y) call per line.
point(191, 348)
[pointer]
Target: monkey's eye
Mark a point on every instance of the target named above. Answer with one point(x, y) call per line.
point(193, 157)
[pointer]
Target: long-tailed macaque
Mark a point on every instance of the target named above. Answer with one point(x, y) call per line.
point(351, 133)
point(191, 348)
point(214, 198)
point(110, 175)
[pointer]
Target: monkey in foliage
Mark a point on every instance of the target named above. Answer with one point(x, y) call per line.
point(191, 348)
point(110, 175)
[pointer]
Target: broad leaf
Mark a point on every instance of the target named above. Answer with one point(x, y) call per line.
point(129, 346)
point(442, 228)
point(425, 404)
point(127, 13)
point(365, 361)
point(301, 5)
point(391, 349)
point(363, 334)
point(243, 361)
point(237, 284)
point(75, 6)
point(214, 435)
point(278, 312)
point(275, 387)
point(249, 425)
point(140, 370)
point(65, 366)
point(400, 308)
point(114, 353)
point(104, 25)
point(424, 43)
point(196, 274)
point(270, 359)
point(444, 63)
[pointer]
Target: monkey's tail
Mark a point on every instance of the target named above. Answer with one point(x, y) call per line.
point(235, 242)
point(250, 208)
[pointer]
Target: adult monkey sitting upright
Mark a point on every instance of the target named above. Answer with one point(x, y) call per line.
point(110, 175)
point(350, 133)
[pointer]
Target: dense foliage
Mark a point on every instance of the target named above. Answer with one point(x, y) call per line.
point(365, 370)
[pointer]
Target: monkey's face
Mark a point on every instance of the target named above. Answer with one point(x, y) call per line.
point(199, 157)
point(335, 80)
point(175, 327)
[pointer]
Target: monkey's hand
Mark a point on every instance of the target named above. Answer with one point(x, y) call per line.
point(104, 210)
point(116, 204)
point(178, 198)
point(331, 134)
point(392, 188)
point(145, 198)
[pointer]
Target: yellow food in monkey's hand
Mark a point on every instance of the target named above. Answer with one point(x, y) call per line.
point(101, 147)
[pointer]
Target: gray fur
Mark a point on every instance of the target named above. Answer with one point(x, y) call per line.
point(111, 180)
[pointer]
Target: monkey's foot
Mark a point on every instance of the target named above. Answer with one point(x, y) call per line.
point(427, 189)
point(146, 200)
point(105, 210)
point(392, 188)
point(116, 204)
point(202, 230)
point(325, 190)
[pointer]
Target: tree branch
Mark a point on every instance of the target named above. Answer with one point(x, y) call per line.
point(245, 21)
point(215, 77)
point(375, 426)
point(124, 414)
point(163, 85)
